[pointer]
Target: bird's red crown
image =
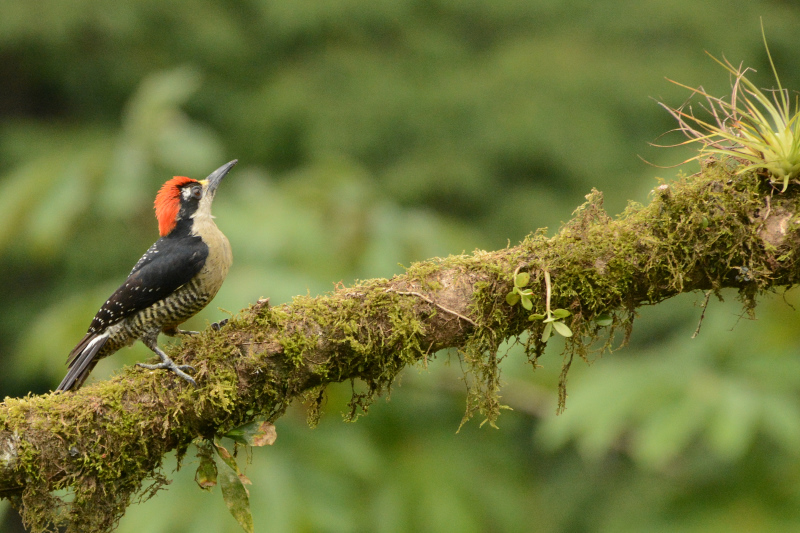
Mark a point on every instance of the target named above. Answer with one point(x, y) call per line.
point(168, 203)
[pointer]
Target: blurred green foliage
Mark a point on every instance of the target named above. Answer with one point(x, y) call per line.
point(374, 134)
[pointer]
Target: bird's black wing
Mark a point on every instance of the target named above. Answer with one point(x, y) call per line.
point(171, 262)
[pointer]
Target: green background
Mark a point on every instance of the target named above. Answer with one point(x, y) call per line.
point(372, 134)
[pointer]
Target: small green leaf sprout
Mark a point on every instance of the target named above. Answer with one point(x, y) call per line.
point(518, 294)
point(762, 130)
point(553, 319)
point(604, 320)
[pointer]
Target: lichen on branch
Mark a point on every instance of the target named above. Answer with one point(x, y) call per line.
point(100, 446)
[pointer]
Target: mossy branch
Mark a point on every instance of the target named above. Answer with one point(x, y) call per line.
point(102, 444)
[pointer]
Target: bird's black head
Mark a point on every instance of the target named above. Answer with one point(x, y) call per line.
point(182, 198)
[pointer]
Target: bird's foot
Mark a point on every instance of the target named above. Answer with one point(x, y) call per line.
point(168, 364)
point(173, 332)
point(216, 326)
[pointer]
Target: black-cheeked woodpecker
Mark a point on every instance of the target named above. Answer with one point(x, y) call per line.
point(173, 281)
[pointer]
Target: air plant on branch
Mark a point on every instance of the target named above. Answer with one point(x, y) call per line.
point(761, 130)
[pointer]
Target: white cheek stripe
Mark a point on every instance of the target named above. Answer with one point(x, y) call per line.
point(203, 215)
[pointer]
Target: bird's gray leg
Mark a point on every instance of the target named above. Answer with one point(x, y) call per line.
point(172, 332)
point(167, 363)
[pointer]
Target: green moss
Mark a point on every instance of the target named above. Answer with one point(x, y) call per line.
point(596, 263)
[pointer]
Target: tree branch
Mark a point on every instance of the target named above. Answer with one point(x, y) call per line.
point(104, 442)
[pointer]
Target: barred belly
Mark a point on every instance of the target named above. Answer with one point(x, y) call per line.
point(165, 314)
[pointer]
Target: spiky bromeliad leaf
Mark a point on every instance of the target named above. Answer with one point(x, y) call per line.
point(763, 131)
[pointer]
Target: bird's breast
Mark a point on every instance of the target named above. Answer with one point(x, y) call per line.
point(219, 260)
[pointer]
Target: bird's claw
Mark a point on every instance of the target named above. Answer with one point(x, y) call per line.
point(169, 364)
point(216, 326)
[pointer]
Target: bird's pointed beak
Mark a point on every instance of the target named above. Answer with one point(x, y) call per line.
point(213, 180)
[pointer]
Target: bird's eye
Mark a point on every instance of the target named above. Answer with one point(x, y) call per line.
point(197, 192)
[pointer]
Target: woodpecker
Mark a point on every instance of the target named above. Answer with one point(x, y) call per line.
point(174, 279)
